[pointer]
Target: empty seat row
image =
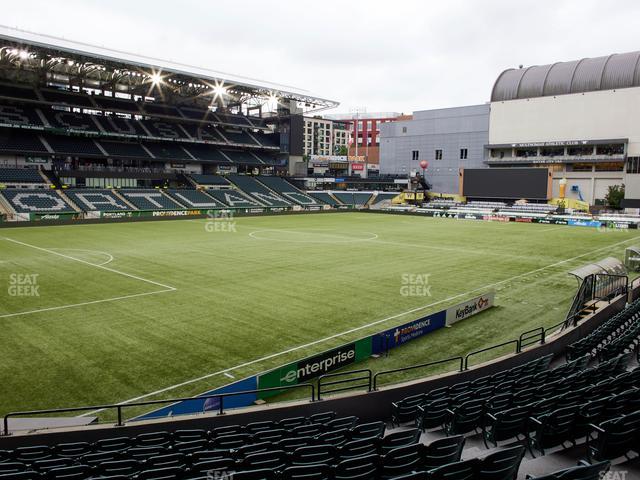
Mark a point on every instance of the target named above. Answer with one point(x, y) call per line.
point(606, 333)
point(360, 459)
point(20, 175)
point(519, 377)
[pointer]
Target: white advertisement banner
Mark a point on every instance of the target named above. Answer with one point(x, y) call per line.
point(470, 307)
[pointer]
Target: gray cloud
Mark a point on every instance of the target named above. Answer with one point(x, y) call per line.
point(391, 55)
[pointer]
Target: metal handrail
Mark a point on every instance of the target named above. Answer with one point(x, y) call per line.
point(509, 342)
point(120, 406)
point(413, 367)
point(552, 327)
point(371, 385)
point(367, 377)
point(525, 337)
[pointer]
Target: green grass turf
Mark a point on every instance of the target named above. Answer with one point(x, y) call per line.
point(274, 284)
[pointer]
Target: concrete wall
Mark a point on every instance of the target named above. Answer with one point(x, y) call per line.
point(447, 129)
point(593, 185)
point(608, 114)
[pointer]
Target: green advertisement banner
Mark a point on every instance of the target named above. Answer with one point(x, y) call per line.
point(315, 366)
point(54, 216)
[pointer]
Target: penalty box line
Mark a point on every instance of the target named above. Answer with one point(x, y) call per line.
point(166, 288)
point(361, 327)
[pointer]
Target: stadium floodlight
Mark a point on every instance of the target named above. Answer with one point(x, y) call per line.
point(218, 91)
point(23, 54)
point(156, 78)
point(273, 101)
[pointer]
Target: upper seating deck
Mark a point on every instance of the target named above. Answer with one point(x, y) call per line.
point(129, 106)
point(20, 175)
point(66, 97)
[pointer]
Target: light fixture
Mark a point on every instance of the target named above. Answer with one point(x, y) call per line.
point(156, 78)
point(273, 101)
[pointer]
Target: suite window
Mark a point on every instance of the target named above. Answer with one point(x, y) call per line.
point(633, 165)
point(404, 129)
point(415, 155)
point(588, 150)
point(463, 153)
point(609, 149)
point(439, 154)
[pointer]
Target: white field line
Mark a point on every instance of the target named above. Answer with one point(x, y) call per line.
point(339, 238)
point(375, 239)
point(106, 254)
point(356, 329)
point(74, 305)
point(108, 269)
point(166, 288)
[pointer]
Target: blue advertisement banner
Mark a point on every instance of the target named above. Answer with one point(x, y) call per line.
point(402, 334)
point(380, 343)
point(199, 405)
point(585, 223)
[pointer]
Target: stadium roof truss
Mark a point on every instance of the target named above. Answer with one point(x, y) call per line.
point(55, 59)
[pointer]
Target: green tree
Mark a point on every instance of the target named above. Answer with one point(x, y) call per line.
point(614, 196)
point(341, 150)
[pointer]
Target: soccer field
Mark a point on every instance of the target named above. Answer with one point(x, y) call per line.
point(112, 312)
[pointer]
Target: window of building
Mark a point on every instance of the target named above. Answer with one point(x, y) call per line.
point(552, 151)
point(404, 129)
point(616, 149)
point(438, 154)
point(463, 153)
point(588, 150)
point(609, 167)
point(415, 154)
point(633, 165)
point(527, 152)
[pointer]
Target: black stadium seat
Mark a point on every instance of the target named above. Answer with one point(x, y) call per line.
point(23, 141)
point(400, 439)
point(442, 452)
point(584, 471)
point(359, 468)
point(464, 470)
point(307, 472)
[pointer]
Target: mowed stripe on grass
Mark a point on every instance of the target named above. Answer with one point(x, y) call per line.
point(239, 298)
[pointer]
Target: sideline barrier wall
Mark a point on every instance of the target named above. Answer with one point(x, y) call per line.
point(308, 368)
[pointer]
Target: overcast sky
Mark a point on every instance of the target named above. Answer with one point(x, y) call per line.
point(384, 55)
